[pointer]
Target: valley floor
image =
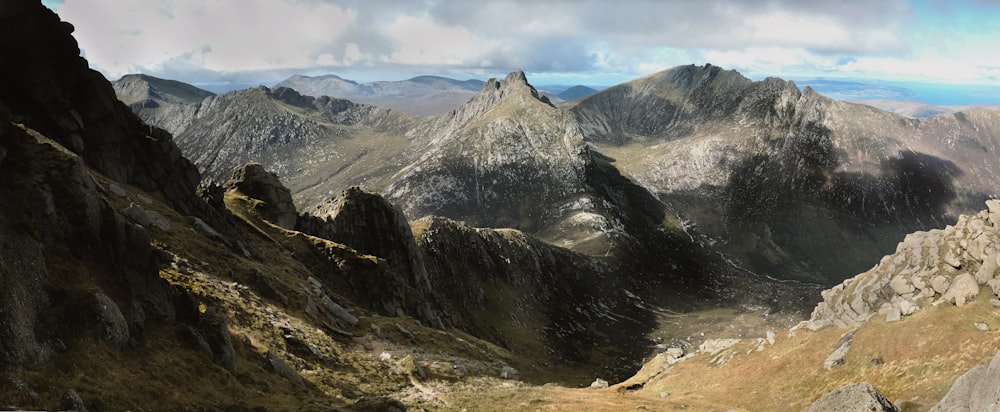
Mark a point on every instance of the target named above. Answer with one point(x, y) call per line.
point(913, 362)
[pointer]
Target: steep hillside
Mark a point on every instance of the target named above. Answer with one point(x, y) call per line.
point(793, 174)
point(422, 95)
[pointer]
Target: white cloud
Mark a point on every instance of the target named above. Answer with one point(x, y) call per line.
point(421, 41)
point(218, 35)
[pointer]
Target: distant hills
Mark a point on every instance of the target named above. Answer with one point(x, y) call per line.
point(576, 92)
point(910, 99)
point(421, 95)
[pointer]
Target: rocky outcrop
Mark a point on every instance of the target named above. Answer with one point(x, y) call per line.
point(499, 283)
point(254, 181)
point(947, 265)
point(976, 390)
point(52, 90)
point(857, 397)
point(61, 220)
point(369, 224)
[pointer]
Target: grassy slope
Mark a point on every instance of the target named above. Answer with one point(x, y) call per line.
point(923, 354)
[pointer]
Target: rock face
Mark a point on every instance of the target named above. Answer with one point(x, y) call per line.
point(52, 91)
point(60, 204)
point(947, 265)
point(857, 397)
point(261, 184)
point(368, 223)
point(496, 282)
point(55, 214)
point(976, 390)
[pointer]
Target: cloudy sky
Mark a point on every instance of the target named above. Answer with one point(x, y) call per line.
point(555, 42)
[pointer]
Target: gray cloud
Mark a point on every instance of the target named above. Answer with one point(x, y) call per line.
point(394, 38)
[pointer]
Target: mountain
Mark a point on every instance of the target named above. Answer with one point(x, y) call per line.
point(576, 92)
point(167, 103)
point(130, 283)
point(791, 174)
point(422, 95)
point(115, 254)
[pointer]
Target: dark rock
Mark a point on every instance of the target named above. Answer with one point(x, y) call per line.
point(114, 327)
point(71, 401)
point(214, 327)
point(190, 336)
point(282, 368)
point(147, 218)
point(22, 271)
point(260, 184)
point(369, 224)
point(263, 284)
point(52, 90)
point(857, 397)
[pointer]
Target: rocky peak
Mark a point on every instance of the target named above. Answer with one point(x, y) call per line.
point(516, 83)
point(367, 222)
point(52, 90)
point(512, 90)
point(254, 181)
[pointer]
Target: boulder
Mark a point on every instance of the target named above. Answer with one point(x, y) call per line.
point(214, 328)
point(71, 401)
point(940, 283)
point(907, 308)
point(901, 285)
point(114, 327)
point(857, 397)
point(963, 289)
point(280, 367)
point(599, 383)
point(993, 206)
point(147, 218)
point(837, 356)
point(893, 315)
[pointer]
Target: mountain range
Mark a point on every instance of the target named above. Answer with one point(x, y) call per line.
point(664, 241)
point(791, 173)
